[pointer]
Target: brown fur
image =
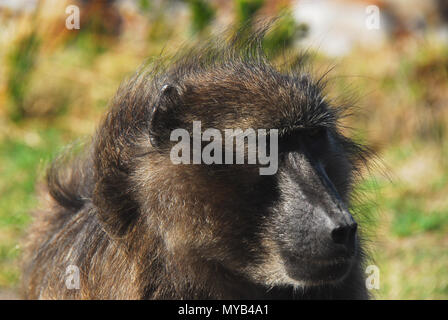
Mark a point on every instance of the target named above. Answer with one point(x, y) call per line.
point(140, 227)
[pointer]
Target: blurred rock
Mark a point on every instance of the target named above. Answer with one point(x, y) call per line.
point(337, 26)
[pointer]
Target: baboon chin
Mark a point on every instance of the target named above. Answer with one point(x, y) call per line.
point(136, 225)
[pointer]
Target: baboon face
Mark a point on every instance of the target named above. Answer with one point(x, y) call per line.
point(289, 228)
point(313, 231)
point(140, 225)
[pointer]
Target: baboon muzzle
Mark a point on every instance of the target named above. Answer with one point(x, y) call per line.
point(316, 231)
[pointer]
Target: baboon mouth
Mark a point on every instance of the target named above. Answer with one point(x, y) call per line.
point(320, 271)
point(332, 270)
point(331, 262)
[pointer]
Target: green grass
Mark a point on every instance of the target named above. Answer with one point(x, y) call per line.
point(22, 163)
point(410, 245)
point(411, 218)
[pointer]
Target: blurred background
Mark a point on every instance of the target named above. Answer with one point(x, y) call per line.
point(391, 59)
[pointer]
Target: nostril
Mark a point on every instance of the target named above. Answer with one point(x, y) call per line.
point(344, 234)
point(340, 234)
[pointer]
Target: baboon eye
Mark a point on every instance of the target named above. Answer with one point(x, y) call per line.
point(316, 140)
point(316, 132)
point(312, 137)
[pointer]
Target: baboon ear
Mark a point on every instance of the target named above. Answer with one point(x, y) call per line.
point(162, 119)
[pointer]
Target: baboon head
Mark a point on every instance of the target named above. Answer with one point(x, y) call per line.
point(291, 228)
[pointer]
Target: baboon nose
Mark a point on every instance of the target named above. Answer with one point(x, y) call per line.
point(345, 235)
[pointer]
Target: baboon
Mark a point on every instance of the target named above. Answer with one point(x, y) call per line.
point(138, 226)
